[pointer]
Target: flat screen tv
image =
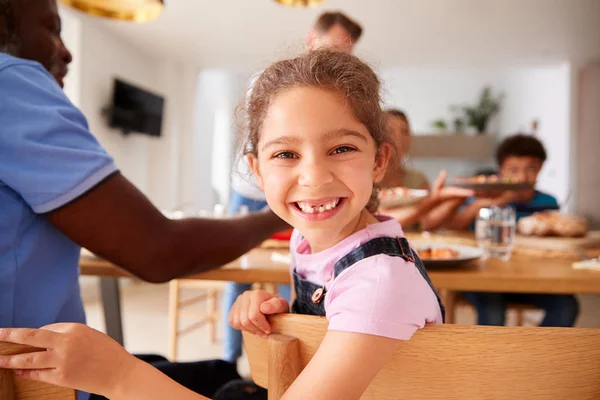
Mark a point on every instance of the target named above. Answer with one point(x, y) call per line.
point(135, 110)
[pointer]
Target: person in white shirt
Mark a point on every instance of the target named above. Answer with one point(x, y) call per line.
point(332, 30)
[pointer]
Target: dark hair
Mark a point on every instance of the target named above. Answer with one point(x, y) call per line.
point(394, 112)
point(520, 145)
point(8, 27)
point(325, 69)
point(329, 19)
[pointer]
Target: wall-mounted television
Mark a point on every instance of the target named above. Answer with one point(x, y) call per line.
point(135, 110)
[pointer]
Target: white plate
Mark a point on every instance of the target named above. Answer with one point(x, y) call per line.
point(402, 197)
point(465, 254)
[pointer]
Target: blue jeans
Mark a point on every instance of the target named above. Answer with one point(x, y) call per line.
point(560, 310)
point(232, 343)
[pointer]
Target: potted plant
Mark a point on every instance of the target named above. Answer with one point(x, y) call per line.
point(479, 115)
point(440, 125)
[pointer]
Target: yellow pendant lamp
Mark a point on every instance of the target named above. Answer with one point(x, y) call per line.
point(124, 10)
point(300, 3)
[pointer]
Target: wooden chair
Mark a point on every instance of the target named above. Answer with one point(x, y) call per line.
point(447, 361)
point(210, 291)
point(14, 388)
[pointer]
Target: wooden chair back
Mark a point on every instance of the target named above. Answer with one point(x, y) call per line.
point(15, 388)
point(447, 361)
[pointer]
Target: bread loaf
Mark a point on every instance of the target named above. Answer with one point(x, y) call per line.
point(552, 223)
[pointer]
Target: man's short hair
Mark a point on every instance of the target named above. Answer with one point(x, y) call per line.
point(329, 19)
point(520, 145)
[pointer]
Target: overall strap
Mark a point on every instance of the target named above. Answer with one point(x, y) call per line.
point(395, 247)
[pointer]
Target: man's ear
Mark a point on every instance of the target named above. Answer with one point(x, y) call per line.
point(253, 162)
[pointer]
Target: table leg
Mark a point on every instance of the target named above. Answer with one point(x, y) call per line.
point(111, 302)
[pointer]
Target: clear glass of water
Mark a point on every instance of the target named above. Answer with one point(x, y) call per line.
point(495, 230)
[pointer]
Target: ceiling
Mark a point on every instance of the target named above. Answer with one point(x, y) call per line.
point(247, 34)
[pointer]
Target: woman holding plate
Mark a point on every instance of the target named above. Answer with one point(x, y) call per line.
point(439, 203)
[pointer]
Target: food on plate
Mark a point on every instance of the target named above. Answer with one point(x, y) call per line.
point(401, 196)
point(438, 253)
point(552, 223)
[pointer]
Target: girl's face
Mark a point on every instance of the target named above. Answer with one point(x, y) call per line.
point(317, 164)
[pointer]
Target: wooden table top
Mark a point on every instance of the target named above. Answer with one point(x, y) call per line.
point(525, 272)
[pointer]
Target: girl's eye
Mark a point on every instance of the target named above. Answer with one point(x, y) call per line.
point(342, 149)
point(285, 155)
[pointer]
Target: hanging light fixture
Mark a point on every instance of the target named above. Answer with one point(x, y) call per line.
point(300, 3)
point(124, 10)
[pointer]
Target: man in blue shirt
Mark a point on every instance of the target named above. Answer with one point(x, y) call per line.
point(60, 190)
point(520, 157)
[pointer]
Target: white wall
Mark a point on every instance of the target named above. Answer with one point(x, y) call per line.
point(154, 165)
point(105, 58)
point(71, 34)
point(540, 92)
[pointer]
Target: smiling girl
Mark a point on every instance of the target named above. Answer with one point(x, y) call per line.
point(316, 143)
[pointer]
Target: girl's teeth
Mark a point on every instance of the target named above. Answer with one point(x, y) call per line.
point(318, 209)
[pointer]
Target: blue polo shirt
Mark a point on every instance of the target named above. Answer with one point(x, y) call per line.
point(48, 158)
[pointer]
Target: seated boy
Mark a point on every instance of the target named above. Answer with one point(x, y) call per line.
point(521, 157)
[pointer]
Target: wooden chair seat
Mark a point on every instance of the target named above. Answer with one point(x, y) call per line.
point(15, 388)
point(447, 361)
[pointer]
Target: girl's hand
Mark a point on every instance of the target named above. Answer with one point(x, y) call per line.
point(249, 310)
point(74, 356)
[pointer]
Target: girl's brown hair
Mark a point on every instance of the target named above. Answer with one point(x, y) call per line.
point(329, 70)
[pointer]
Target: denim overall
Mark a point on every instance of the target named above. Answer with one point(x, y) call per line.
point(307, 291)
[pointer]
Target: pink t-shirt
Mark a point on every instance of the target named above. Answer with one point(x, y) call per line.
point(380, 295)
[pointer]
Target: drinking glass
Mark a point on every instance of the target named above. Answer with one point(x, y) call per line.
point(495, 231)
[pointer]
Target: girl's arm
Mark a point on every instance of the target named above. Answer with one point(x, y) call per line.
point(79, 357)
point(343, 366)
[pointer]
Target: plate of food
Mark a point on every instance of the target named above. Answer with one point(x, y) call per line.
point(446, 255)
point(401, 197)
point(491, 183)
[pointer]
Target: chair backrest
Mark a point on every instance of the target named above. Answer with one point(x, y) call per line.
point(447, 361)
point(15, 388)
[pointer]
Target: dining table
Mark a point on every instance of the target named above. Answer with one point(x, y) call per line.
point(527, 271)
